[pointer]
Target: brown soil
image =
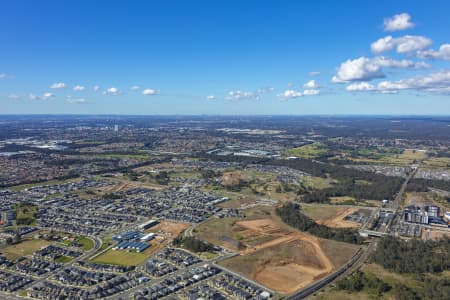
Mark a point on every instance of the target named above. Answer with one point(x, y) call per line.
point(338, 220)
point(233, 178)
point(169, 229)
point(285, 263)
point(435, 234)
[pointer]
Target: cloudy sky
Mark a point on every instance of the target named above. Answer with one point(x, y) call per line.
point(225, 57)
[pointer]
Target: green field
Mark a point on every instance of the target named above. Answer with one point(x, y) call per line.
point(121, 257)
point(26, 214)
point(407, 157)
point(23, 248)
point(316, 183)
point(63, 259)
point(309, 151)
point(87, 243)
point(320, 211)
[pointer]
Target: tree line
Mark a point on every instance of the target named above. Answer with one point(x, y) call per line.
point(291, 214)
point(193, 244)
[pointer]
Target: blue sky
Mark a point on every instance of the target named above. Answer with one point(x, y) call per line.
point(225, 57)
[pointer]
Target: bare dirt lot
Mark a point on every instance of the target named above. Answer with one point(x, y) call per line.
point(283, 264)
point(234, 178)
point(435, 234)
point(338, 221)
point(169, 230)
point(272, 253)
point(331, 216)
point(285, 261)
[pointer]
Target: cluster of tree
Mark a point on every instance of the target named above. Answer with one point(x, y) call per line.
point(426, 287)
point(361, 281)
point(413, 256)
point(193, 244)
point(15, 239)
point(379, 186)
point(25, 213)
point(436, 288)
point(291, 214)
point(422, 185)
point(162, 178)
point(210, 173)
point(377, 189)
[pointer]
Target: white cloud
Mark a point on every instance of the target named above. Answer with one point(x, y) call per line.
point(290, 94)
point(95, 88)
point(72, 100)
point(2, 75)
point(442, 53)
point(437, 82)
point(211, 97)
point(357, 69)
point(243, 95)
point(149, 92)
point(314, 73)
point(47, 95)
point(360, 86)
point(58, 85)
point(311, 92)
point(366, 69)
point(240, 95)
point(404, 63)
point(398, 22)
point(404, 44)
point(112, 91)
point(265, 90)
point(312, 84)
point(44, 96)
point(78, 88)
point(391, 86)
point(134, 87)
point(13, 96)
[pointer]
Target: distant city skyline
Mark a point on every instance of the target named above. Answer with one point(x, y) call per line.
point(225, 58)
